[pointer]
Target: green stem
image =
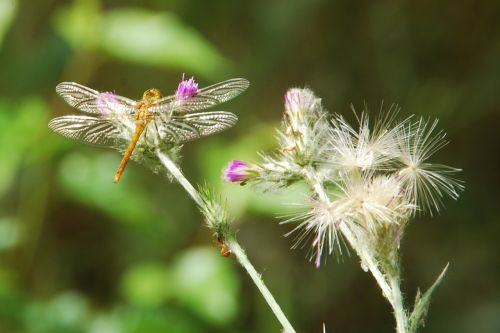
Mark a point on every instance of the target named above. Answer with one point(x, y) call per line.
point(233, 245)
point(388, 283)
point(369, 261)
point(239, 253)
point(397, 305)
point(177, 173)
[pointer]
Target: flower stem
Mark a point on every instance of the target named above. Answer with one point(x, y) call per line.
point(239, 253)
point(387, 282)
point(397, 305)
point(233, 245)
point(177, 173)
point(369, 261)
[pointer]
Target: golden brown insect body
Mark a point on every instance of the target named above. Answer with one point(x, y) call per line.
point(142, 117)
point(225, 251)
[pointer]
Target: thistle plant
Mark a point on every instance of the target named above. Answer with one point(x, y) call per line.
point(366, 184)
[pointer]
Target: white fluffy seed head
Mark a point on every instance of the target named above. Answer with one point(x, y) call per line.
point(373, 201)
point(370, 178)
point(425, 184)
point(365, 148)
point(319, 227)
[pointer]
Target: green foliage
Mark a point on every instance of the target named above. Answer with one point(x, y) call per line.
point(199, 279)
point(65, 313)
point(88, 179)
point(7, 12)
point(80, 24)
point(205, 282)
point(24, 117)
point(153, 321)
point(12, 305)
point(158, 39)
point(147, 285)
point(139, 36)
point(9, 233)
point(422, 302)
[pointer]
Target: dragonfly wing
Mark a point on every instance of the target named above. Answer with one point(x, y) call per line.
point(182, 128)
point(92, 101)
point(204, 98)
point(93, 130)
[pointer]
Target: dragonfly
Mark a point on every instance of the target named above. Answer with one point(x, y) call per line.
point(122, 123)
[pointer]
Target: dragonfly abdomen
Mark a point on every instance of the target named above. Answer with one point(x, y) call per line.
point(139, 128)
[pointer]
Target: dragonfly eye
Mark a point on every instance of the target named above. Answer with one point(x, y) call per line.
point(152, 94)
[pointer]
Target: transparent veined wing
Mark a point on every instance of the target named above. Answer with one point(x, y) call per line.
point(182, 128)
point(92, 101)
point(97, 131)
point(204, 98)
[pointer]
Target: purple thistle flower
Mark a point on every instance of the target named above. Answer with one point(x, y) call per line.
point(238, 171)
point(186, 88)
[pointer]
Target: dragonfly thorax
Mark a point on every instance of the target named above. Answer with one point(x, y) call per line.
point(148, 98)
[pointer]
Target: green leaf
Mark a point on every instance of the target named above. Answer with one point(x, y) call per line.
point(158, 38)
point(8, 10)
point(17, 120)
point(422, 302)
point(9, 233)
point(207, 284)
point(157, 320)
point(66, 312)
point(105, 323)
point(79, 23)
point(147, 285)
point(139, 36)
point(89, 179)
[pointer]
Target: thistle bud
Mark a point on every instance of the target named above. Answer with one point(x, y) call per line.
point(301, 108)
point(239, 171)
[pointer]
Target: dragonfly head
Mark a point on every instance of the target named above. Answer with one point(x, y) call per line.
point(151, 94)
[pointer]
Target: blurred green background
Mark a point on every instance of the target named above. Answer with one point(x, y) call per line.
point(81, 254)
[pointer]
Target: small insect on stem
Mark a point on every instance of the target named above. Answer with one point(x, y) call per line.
point(225, 251)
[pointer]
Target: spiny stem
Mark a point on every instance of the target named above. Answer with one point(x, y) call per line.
point(239, 253)
point(177, 173)
point(369, 261)
point(388, 283)
point(236, 249)
point(353, 241)
point(397, 305)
